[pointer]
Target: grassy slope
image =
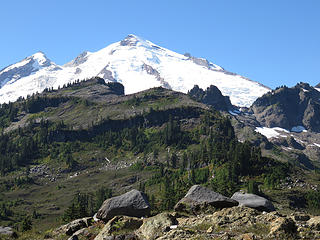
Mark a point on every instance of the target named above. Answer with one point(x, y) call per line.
point(50, 199)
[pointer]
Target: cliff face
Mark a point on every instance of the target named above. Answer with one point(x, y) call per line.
point(211, 96)
point(289, 107)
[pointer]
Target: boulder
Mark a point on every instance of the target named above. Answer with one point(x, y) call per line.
point(237, 216)
point(7, 231)
point(120, 224)
point(72, 227)
point(246, 236)
point(73, 237)
point(133, 203)
point(282, 225)
point(154, 227)
point(253, 201)
point(199, 197)
point(300, 217)
point(314, 223)
point(84, 233)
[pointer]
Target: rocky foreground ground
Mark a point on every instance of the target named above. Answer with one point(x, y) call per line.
point(200, 214)
point(229, 223)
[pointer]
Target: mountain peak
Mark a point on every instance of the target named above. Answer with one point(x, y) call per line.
point(40, 59)
point(133, 40)
point(133, 36)
point(135, 62)
point(38, 54)
point(24, 68)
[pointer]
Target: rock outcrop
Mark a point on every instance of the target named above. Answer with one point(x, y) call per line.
point(120, 225)
point(95, 90)
point(289, 107)
point(253, 201)
point(314, 223)
point(282, 225)
point(200, 198)
point(211, 96)
point(7, 232)
point(133, 203)
point(74, 226)
point(153, 227)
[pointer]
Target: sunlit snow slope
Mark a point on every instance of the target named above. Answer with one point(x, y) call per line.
point(138, 64)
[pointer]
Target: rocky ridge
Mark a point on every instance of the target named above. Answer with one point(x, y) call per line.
point(211, 96)
point(288, 119)
point(289, 107)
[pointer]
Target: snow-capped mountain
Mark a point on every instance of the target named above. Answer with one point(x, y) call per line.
point(24, 68)
point(136, 63)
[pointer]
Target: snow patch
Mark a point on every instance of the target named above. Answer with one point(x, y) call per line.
point(271, 132)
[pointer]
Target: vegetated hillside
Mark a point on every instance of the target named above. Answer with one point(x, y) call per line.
point(64, 151)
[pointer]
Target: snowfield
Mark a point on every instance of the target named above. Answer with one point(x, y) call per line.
point(276, 131)
point(271, 132)
point(136, 63)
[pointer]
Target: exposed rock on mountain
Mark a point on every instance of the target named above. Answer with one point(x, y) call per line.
point(211, 96)
point(199, 198)
point(133, 203)
point(253, 201)
point(289, 107)
point(116, 87)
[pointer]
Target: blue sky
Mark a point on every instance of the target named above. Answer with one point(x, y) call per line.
point(275, 42)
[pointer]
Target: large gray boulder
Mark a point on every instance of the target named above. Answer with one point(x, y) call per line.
point(253, 201)
point(201, 198)
point(133, 204)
